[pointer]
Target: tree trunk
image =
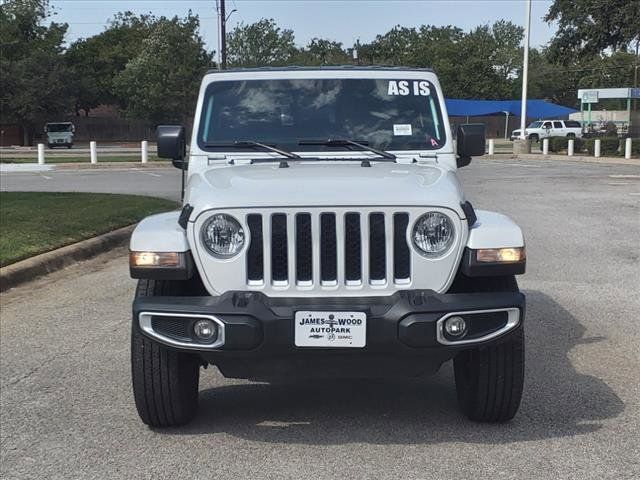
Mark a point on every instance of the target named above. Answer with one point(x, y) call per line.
point(26, 134)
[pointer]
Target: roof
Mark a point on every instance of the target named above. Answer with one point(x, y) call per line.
point(477, 108)
point(323, 68)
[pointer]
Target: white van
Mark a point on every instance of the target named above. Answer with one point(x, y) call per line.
point(59, 134)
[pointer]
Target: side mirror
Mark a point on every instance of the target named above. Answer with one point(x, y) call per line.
point(470, 142)
point(172, 144)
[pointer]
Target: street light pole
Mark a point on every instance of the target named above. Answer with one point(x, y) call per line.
point(525, 71)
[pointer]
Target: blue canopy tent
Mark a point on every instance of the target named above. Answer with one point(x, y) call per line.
point(478, 108)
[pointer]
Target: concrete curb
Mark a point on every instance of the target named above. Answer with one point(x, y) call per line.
point(31, 268)
point(84, 165)
point(106, 165)
point(567, 158)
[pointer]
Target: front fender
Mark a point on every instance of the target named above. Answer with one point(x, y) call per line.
point(494, 230)
point(159, 233)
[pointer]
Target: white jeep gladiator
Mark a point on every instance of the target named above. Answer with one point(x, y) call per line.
point(324, 232)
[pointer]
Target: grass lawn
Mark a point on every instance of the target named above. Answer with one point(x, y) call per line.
point(37, 222)
point(56, 158)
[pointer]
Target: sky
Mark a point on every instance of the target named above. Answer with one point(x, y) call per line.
point(341, 20)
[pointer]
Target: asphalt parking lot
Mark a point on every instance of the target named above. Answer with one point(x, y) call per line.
point(67, 410)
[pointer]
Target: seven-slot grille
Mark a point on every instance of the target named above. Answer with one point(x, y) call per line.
point(350, 248)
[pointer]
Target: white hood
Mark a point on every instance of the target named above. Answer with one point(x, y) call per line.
point(324, 184)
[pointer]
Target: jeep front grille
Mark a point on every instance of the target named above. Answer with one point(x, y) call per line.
point(351, 249)
point(326, 252)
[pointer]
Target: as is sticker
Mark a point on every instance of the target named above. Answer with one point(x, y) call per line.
point(406, 87)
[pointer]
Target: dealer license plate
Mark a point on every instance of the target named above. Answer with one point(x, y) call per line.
point(331, 329)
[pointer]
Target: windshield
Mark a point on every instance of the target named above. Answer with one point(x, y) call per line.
point(387, 114)
point(59, 127)
point(535, 125)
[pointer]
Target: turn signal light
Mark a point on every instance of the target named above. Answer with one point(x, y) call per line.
point(155, 259)
point(501, 255)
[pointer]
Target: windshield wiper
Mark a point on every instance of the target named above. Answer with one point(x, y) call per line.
point(252, 144)
point(345, 142)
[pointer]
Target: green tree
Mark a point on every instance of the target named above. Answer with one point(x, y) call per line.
point(161, 83)
point(96, 61)
point(548, 80)
point(260, 44)
point(396, 47)
point(482, 63)
point(506, 57)
point(33, 76)
point(559, 83)
point(589, 27)
point(320, 51)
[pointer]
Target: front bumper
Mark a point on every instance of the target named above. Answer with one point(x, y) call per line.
point(404, 333)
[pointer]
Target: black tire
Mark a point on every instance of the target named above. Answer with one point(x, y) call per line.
point(571, 135)
point(534, 137)
point(165, 381)
point(490, 380)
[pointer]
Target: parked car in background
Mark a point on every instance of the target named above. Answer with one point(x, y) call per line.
point(59, 134)
point(550, 128)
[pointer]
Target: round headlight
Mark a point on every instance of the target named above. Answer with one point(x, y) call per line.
point(222, 235)
point(433, 234)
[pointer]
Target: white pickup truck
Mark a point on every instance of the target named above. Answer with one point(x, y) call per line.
point(550, 128)
point(324, 232)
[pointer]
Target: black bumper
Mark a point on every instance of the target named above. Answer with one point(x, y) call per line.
point(401, 333)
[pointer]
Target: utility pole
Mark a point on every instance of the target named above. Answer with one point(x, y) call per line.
point(223, 36)
point(635, 76)
point(222, 33)
point(355, 53)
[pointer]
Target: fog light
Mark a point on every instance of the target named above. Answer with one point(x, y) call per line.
point(205, 330)
point(455, 326)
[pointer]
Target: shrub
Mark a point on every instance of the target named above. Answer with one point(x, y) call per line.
point(559, 144)
point(608, 145)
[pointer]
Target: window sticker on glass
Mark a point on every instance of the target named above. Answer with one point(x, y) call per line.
point(402, 129)
point(405, 87)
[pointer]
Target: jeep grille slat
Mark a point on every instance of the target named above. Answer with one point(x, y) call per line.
point(255, 257)
point(352, 249)
point(279, 249)
point(328, 248)
point(401, 253)
point(377, 248)
point(311, 250)
point(304, 245)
